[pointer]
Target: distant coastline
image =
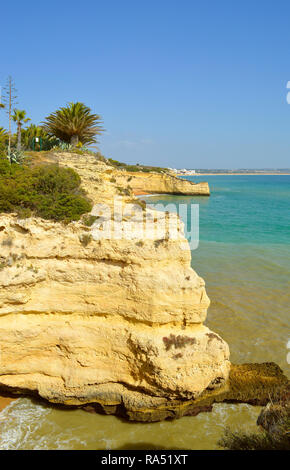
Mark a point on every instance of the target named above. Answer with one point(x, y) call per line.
point(277, 173)
point(228, 171)
point(264, 173)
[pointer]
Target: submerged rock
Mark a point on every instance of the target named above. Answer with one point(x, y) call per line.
point(275, 418)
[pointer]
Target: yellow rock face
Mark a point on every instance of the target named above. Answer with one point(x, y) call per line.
point(161, 183)
point(88, 320)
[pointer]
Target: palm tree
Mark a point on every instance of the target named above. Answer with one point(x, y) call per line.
point(3, 134)
point(3, 139)
point(73, 124)
point(20, 119)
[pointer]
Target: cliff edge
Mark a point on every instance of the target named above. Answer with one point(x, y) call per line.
point(161, 183)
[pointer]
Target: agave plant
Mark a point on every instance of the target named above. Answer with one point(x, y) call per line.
point(20, 118)
point(73, 124)
point(63, 146)
point(16, 157)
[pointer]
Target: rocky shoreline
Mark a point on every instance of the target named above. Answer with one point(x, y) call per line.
point(247, 383)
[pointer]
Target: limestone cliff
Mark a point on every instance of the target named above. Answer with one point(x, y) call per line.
point(112, 322)
point(78, 319)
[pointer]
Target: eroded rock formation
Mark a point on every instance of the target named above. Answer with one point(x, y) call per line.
point(161, 183)
point(78, 319)
point(75, 319)
point(117, 323)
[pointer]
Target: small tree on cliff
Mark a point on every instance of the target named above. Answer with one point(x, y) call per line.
point(73, 124)
point(19, 117)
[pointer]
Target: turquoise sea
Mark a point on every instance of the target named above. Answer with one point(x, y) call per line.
point(244, 257)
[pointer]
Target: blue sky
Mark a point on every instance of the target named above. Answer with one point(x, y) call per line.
point(183, 83)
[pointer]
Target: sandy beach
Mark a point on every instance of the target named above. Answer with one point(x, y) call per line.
point(140, 193)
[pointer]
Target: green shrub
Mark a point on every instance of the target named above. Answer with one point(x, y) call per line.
point(4, 165)
point(137, 168)
point(23, 212)
point(49, 191)
point(124, 191)
point(89, 220)
point(52, 179)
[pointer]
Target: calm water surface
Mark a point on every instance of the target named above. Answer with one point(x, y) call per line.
point(244, 258)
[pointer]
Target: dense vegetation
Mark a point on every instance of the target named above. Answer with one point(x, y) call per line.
point(135, 168)
point(47, 191)
point(34, 137)
point(71, 126)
